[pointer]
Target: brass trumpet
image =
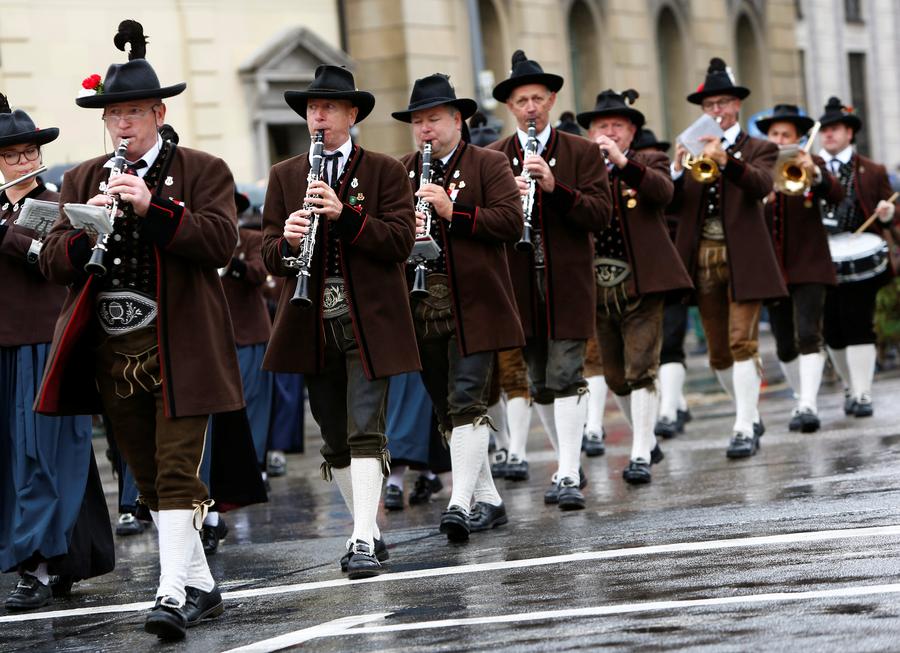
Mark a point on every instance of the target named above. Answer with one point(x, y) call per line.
point(702, 168)
point(791, 178)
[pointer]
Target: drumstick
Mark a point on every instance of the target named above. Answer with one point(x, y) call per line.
point(865, 225)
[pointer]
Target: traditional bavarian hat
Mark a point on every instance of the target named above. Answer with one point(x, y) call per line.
point(610, 103)
point(835, 112)
point(646, 140)
point(525, 71)
point(434, 91)
point(719, 81)
point(332, 82)
point(16, 127)
point(133, 80)
point(786, 113)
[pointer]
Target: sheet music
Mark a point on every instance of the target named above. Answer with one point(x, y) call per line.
point(704, 126)
point(93, 219)
point(38, 215)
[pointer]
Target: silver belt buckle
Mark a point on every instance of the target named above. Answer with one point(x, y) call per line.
point(610, 272)
point(124, 311)
point(334, 302)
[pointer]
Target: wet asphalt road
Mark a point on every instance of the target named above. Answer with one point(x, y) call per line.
point(809, 516)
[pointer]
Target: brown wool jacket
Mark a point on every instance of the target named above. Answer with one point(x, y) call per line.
point(487, 213)
point(655, 263)
point(579, 205)
point(799, 237)
point(746, 179)
point(29, 304)
point(193, 229)
point(377, 231)
point(243, 284)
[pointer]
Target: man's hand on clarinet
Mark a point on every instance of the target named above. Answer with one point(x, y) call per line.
point(540, 172)
point(327, 203)
point(296, 227)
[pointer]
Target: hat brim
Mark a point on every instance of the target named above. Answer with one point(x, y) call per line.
point(38, 137)
point(662, 146)
point(802, 123)
point(504, 89)
point(105, 99)
point(853, 122)
point(467, 107)
point(241, 202)
point(737, 91)
point(362, 100)
point(587, 117)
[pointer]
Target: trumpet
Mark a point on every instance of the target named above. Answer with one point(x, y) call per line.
point(96, 265)
point(531, 148)
point(425, 248)
point(791, 178)
point(302, 262)
point(702, 168)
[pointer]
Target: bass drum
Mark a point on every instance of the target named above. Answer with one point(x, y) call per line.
point(858, 257)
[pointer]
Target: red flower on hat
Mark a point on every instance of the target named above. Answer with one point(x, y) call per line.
point(699, 88)
point(93, 83)
point(848, 109)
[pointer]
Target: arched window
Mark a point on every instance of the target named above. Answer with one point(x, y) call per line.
point(583, 49)
point(749, 70)
point(675, 86)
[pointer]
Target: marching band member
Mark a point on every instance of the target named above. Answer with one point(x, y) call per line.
point(144, 335)
point(54, 524)
point(358, 329)
point(850, 306)
point(636, 264)
point(468, 310)
point(722, 235)
point(553, 281)
point(801, 246)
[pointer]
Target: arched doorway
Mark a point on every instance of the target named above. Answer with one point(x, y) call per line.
point(583, 49)
point(675, 86)
point(749, 69)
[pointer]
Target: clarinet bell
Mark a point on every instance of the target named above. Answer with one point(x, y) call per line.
point(301, 292)
point(525, 244)
point(419, 291)
point(95, 266)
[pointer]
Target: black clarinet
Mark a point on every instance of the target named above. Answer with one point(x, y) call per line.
point(97, 265)
point(531, 147)
point(303, 261)
point(419, 289)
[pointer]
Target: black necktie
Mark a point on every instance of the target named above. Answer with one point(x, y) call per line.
point(335, 158)
point(132, 168)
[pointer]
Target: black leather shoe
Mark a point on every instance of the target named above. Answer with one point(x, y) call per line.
point(381, 553)
point(29, 594)
point(212, 535)
point(393, 498)
point(61, 586)
point(665, 428)
point(656, 455)
point(742, 446)
point(796, 422)
point(516, 470)
point(682, 417)
point(809, 421)
point(759, 429)
point(455, 524)
point(276, 464)
point(424, 488)
point(570, 496)
point(166, 620)
point(551, 496)
point(863, 407)
point(200, 606)
point(637, 472)
point(498, 463)
point(128, 524)
point(582, 479)
point(594, 444)
point(849, 403)
point(485, 516)
point(363, 562)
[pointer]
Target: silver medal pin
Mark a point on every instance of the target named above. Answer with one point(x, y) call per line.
point(169, 181)
point(456, 174)
point(354, 183)
point(552, 162)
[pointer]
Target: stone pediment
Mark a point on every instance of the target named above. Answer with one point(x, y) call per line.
point(291, 57)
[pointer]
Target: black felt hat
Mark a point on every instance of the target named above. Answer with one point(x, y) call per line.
point(336, 83)
point(525, 71)
point(16, 127)
point(126, 82)
point(481, 132)
point(241, 201)
point(610, 103)
point(434, 91)
point(836, 112)
point(719, 81)
point(786, 113)
point(646, 140)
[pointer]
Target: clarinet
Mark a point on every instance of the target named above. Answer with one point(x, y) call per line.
point(303, 260)
point(419, 291)
point(531, 148)
point(96, 265)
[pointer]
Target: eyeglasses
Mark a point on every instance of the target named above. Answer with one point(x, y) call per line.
point(128, 115)
point(12, 158)
point(708, 105)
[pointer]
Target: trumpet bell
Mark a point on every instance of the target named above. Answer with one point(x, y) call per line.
point(703, 169)
point(791, 178)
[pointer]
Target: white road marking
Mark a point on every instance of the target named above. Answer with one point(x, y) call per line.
point(503, 565)
point(327, 629)
point(626, 608)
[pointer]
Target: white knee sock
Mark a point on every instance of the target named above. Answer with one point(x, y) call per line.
point(624, 404)
point(497, 413)
point(176, 547)
point(366, 476)
point(791, 371)
point(485, 490)
point(40, 572)
point(644, 408)
point(861, 363)
point(211, 519)
point(596, 407)
point(198, 570)
point(811, 367)
point(569, 414)
point(468, 451)
point(746, 396)
point(839, 360)
point(396, 477)
point(726, 380)
point(548, 420)
point(345, 485)
point(518, 417)
point(671, 383)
